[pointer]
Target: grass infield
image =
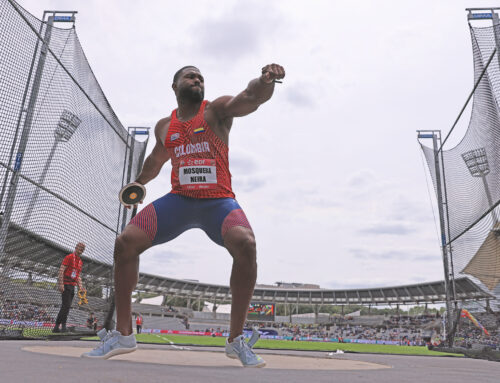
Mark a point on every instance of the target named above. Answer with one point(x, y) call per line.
point(192, 340)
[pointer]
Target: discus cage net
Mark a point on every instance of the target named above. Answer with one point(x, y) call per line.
point(466, 180)
point(64, 155)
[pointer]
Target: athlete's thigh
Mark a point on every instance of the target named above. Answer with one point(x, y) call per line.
point(220, 216)
point(164, 219)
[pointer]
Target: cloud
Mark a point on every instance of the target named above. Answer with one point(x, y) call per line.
point(359, 283)
point(299, 95)
point(363, 184)
point(425, 258)
point(306, 201)
point(161, 255)
point(248, 184)
point(370, 254)
point(228, 39)
point(245, 166)
point(405, 255)
point(242, 162)
point(162, 260)
point(237, 33)
point(386, 229)
point(403, 208)
point(320, 201)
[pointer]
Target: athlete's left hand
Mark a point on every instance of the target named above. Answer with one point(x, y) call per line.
point(272, 72)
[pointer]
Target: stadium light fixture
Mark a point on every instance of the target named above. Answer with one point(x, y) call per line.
point(66, 127)
point(476, 161)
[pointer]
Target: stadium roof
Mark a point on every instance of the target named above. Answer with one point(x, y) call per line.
point(430, 292)
point(44, 258)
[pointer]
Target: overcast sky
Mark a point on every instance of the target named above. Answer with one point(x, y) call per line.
point(329, 171)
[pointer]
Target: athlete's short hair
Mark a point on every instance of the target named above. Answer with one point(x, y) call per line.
point(178, 73)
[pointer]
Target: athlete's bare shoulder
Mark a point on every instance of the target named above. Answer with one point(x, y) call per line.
point(161, 129)
point(220, 102)
point(216, 106)
point(220, 125)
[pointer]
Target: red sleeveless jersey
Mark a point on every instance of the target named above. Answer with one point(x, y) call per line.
point(200, 164)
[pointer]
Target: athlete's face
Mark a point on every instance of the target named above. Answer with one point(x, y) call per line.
point(190, 85)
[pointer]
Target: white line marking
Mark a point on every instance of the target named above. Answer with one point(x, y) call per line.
point(172, 344)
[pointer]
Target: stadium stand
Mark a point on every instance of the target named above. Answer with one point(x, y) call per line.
point(164, 323)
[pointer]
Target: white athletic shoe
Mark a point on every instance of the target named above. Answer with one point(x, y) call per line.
point(230, 353)
point(239, 349)
point(112, 343)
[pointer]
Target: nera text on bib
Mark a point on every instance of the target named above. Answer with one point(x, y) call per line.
point(197, 174)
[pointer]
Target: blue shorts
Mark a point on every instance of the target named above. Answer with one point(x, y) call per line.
point(173, 214)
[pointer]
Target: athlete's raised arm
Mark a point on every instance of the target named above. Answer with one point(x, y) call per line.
point(154, 162)
point(258, 91)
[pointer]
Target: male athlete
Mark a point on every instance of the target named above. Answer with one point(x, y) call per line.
point(195, 139)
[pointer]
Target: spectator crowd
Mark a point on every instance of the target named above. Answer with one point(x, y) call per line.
point(24, 312)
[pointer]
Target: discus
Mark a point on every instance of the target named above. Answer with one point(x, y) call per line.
point(132, 194)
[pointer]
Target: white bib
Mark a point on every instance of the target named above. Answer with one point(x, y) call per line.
point(197, 174)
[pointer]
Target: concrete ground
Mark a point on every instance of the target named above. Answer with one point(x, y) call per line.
point(50, 361)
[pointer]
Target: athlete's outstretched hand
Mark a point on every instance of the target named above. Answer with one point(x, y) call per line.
point(272, 72)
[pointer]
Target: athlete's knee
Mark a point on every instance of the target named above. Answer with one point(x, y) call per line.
point(121, 249)
point(120, 243)
point(124, 248)
point(248, 245)
point(241, 243)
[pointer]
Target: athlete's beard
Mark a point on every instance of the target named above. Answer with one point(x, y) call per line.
point(191, 95)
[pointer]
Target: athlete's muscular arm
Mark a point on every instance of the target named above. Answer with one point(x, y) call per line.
point(257, 92)
point(154, 162)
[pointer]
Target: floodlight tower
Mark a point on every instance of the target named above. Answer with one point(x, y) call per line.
point(477, 163)
point(487, 14)
point(68, 122)
point(133, 131)
point(28, 112)
point(449, 274)
point(128, 161)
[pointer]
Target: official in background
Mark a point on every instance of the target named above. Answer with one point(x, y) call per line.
point(68, 278)
point(138, 323)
